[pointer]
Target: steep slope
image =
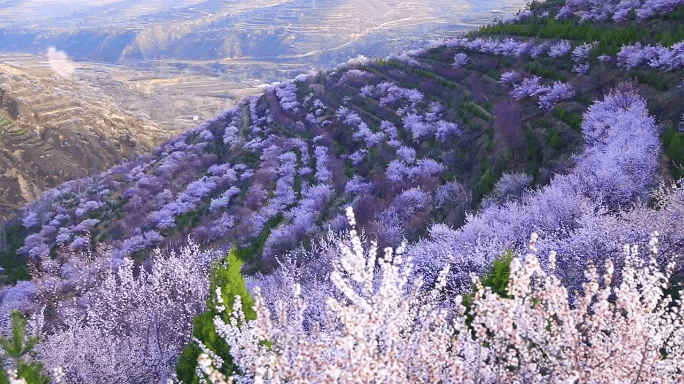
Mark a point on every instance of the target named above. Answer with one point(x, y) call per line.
point(56, 129)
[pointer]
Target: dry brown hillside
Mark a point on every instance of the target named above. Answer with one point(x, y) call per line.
point(53, 129)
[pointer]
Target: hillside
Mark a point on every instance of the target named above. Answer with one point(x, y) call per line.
point(562, 121)
point(56, 129)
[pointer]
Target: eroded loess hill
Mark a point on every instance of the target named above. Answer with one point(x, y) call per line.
point(55, 129)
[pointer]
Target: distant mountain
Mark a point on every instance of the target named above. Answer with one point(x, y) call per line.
point(318, 33)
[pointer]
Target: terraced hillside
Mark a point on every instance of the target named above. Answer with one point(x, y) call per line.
point(369, 131)
point(540, 122)
point(57, 129)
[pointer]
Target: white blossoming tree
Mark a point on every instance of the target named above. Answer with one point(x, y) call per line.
point(387, 330)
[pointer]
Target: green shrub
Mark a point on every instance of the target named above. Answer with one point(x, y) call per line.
point(232, 284)
point(655, 80)
point(496, 279)
point(555, 140)
point(16, 348)
point(574, 120)
point(673, 145)
point(546, 72)
point(487, 177)
point(14, 265)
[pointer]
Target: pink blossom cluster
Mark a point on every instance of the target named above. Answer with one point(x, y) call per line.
point(510, 78)
point(399, 172)
point(231, 137)
point(323, 174)
point(194, 193)
point(407, 154)
point(389, 93)
point(520, 16)
point(357, 185)
point(460, 59)
point(391, 132)
point(284, 195)
point(287, 94)
point(301, 222)
point(559, 49)
point(655, 56)
point(651, 8)
point(352, 74)
point(419, 128)
point(364, 133)
point(30, 219)
point(445, 131)
point(358, 156)
point(223, 201)
point(559, 91)
point(549, 96)
point(580, 56)
point(88, 206)
point(623, 8)
point(507, 47)
point(602, 10)
point(124, 325)
point(137, 243)
point(529, 87)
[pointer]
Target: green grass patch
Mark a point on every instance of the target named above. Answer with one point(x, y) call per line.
point(13, 264)
point(611, 37)
point(232, 284)
point(476, 110)
point(655, 80)
point(573, 119)
point(673, 145)
point(545, 72)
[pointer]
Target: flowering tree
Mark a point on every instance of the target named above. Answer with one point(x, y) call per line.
point(323, 174)
point(460, 59)
point(132, 328)
point(559, 49)
point(30, 220)
point(446, 130)
point(287, 93)
point(510, 78)
point(529, 87)
point(580, 56)
point(382, 329)
point(558, 92)
point(510, 186)
point(407, 154)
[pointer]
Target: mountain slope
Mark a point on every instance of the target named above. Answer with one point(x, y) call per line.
point(374, 129)
point(56, 129)
point(462, 149)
